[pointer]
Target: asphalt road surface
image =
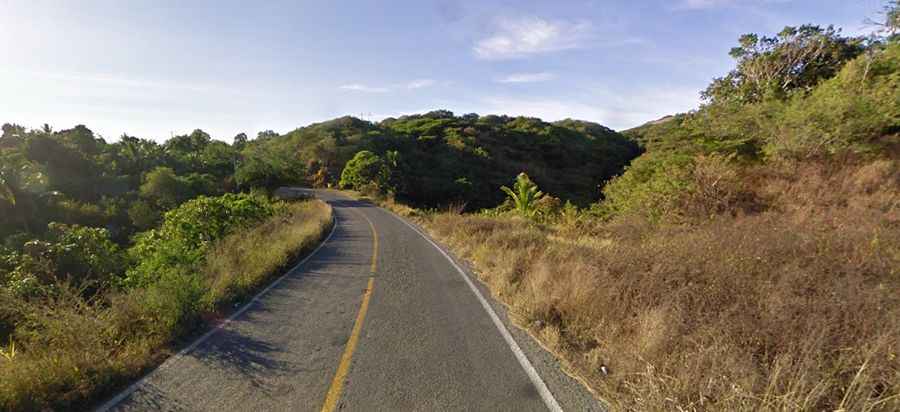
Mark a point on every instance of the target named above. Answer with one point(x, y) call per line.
point(377, 319)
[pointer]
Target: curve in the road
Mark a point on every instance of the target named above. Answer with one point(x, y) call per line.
point(426, 339)
point(539, 384)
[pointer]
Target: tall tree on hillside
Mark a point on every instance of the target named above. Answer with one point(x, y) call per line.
point(797, 58)
point(240, 141)
point(890, 25)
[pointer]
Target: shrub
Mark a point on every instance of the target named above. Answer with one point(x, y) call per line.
point(187, 231)
point(851, 111)
point(143, 215)
point(366, 168)
point(70, 349)
point(163, 187)
point(81, 256)
point(651, 186)
point(73, 211)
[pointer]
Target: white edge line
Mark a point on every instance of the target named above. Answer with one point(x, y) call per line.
point(134, 387)
point(532, 373)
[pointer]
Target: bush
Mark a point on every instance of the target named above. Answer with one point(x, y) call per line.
point(366, 168)
point(143, 215)
point(83, 257)
point(73, 211)
point(69, 348)
point(850, 112)
point(188, 230)
point(164, 188)
point(651, 187)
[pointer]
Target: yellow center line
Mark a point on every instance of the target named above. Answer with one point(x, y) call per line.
point(337, 384)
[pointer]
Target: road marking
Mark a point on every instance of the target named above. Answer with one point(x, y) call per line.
point(337, 384)
point(536, 380)
point(165, 365)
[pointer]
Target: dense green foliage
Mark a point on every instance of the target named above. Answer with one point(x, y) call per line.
point(796, 59)
point(135, 238)
point(64, 348)
point(855, 110)
point(80, 256)
point(439, 158)
point(180, 244)
point(74, 177)
point(366, 168)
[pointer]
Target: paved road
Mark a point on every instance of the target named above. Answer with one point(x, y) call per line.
point(377, 319)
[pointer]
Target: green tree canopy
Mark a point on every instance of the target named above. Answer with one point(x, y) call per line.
point(163, 187)
point(797, 58)
point(366, 168)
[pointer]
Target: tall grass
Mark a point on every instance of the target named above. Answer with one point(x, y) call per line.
point(793, 307)
point(241, 262)
point(71, 352)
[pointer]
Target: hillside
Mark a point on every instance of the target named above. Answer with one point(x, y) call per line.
point(748, 260)
point(438, 158)
point(150, 239)
point(744, 255)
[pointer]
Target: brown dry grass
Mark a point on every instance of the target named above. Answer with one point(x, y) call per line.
point(793, 308)
point(240, 262)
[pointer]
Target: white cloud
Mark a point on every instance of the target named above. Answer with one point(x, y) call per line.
point(527, 36)
point(420, 83)
point(356, 87)
point(527, 77)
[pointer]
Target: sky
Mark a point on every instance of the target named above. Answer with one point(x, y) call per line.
point(156, 68)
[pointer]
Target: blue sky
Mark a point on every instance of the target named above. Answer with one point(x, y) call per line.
point(152, 68)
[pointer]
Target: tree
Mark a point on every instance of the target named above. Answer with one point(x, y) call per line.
point(265, 166)
point(797, 58)
point(892, 19)
point(12, 135)
point(890, 25)
point(163, 187)
point(524, 195)
point(366, 168)
point(19, 180)
point(266, 135)
point(143, 215)
point(240, 141)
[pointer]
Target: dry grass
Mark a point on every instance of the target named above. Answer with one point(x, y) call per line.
point(793, 308)
point(71, 352)
point(241, 262)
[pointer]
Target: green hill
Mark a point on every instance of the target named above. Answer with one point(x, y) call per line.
point(440, 158)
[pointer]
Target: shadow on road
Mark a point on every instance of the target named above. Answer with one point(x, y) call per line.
point(245, 355)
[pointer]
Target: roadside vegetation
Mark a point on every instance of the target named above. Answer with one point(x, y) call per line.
point(748, 260)
point(437, 158)
point(742, 256)
point(70, 339)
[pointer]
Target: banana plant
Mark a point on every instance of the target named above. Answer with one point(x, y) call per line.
point(524, 195)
